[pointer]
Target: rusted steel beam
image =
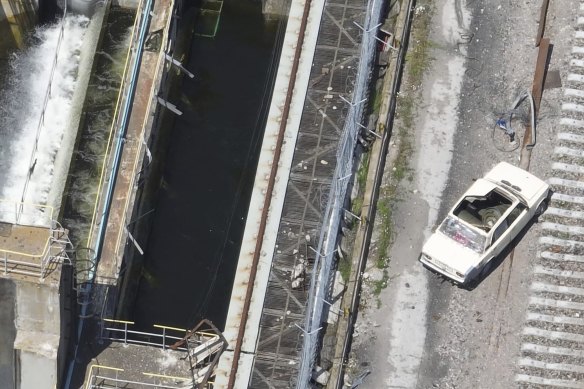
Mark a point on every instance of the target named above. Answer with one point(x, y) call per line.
point(537, 92)
point(540, 72)
point(268, 197)
point(542, 17)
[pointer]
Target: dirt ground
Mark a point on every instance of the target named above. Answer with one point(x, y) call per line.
point(422, 331)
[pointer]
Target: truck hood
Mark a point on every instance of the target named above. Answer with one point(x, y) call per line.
point(517, 181)
point(451, 253)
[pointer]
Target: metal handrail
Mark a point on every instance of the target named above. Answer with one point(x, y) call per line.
point(40, 260)
point(162, 344)
point(19, 206)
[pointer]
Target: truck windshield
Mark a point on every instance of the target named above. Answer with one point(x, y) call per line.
point(463, 234)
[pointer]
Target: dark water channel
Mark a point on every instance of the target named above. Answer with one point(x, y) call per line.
point(191, 257)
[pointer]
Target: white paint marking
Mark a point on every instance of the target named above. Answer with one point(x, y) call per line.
point(528, 362)
point(536, 348)
point(549, 381)
point(568, 183)
point(568, 167)
point(555, 319)
point(569, 92)
point(555, 303)
point(562, 257)
point(577, 63)
point(575, 230)
point(569, 151)
point(544, 287)
point(579, 34)
point(580, 20)
point(572, 122)
point(559, 273)
point(573, 107)
point(549, 240)
point(553, 335)
point(575, 78)
point(568, 198)
point(553, 211)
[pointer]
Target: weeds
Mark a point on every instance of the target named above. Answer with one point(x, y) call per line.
point(345, 268)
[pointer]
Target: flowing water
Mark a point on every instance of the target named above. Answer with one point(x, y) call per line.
point(32, 132)
point(96, 125)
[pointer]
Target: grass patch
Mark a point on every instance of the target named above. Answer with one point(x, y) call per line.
point(379, 285)
point(357, 203)
point(345, 269)
point(377, 99)
point(384, 210)
point(418, 57)
point(362, 172)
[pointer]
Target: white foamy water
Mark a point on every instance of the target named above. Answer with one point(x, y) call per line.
point(22, 101)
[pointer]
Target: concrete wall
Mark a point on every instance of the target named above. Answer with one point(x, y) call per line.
point(273, 9)
point(7, 332)
point(38, 329)
point(126, 3)
point(84, 7)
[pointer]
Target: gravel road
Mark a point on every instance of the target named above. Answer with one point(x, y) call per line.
point(426, 332)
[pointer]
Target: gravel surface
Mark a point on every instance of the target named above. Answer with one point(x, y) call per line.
point(425, 332)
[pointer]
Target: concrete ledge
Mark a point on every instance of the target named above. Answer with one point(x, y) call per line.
point(266, 160)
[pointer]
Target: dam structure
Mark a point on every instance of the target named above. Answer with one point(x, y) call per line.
point(107, 89)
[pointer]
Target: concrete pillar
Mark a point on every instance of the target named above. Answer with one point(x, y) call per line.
point(274, 9)
point(38, 333)
point(16, 18)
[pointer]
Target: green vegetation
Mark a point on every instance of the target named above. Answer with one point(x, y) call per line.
point(361, 182)
point(362, 172)
point(377, 99)
point(379, 285)
point(345, 268)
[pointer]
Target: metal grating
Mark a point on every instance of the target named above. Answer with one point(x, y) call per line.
point(334, 73)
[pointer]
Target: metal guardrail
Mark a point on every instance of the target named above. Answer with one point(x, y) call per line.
point(200, 348)
point(121, 328)
point(107, 377)
point(323, 267)
point(54, 250)
point(28, 214)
